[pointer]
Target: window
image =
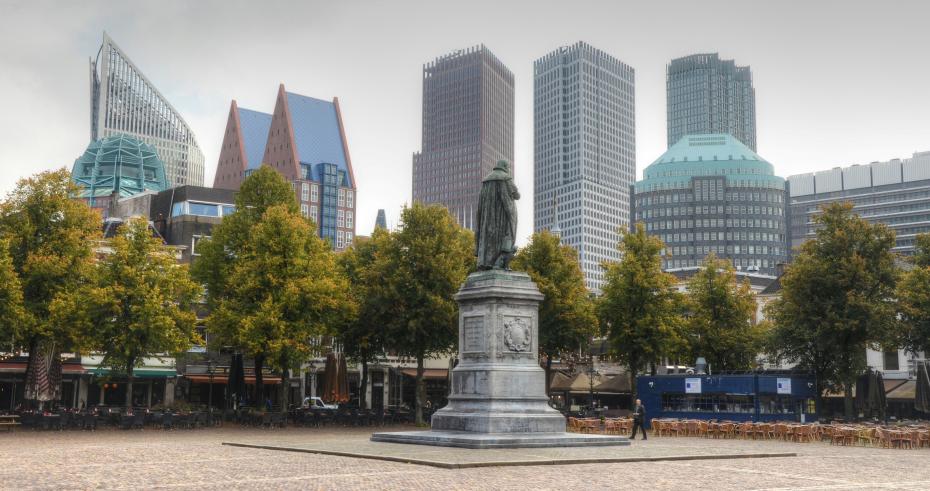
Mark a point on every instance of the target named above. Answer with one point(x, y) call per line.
point(314, 193)
point(196, 240)
point(304, 191)
point(228, 210)
point(348, 239)
point(305, 210)
point(342, 197)
point(313, 212)
point(891, 360)
point(340, 218)
point(340, 239)
point(178, 209)
point(350, 198)
point(349, 219)
point(204, 209)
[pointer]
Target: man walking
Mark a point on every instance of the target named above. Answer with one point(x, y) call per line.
point(639, 418)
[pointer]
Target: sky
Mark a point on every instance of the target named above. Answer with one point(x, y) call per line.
point(837, 82)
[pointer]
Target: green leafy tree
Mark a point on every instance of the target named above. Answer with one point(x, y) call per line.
point(362, 335)
point(12, 310)
point(720, 323)
point(423, 267)
point(50, 239)
point(837, 300)
point(140, 305)
point(272, 282)
point(913, 296)
point(566, 316)
point(639, 309)
point(219, 255)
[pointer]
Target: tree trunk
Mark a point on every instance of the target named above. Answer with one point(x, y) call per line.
point(363, 390)
point(632, 387)
point(818, 398)
point(129, 373)
point(285, 384)
point(259, 381)
point(548, 373)
point(848, 401)
point(421, 390)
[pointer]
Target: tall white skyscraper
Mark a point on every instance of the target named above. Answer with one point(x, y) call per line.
point(123, 101)
point(585, 151)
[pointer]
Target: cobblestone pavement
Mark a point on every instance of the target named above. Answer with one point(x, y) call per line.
point(154, 459)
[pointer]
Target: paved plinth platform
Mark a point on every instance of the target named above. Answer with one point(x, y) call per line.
point(356, 445)
point(466, 439)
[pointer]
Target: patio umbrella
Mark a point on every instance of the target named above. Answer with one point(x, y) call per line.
point(922, 395)
point(43, 374)
point(862, 392)
point(329, 378)
point(342, 380)
point(877, 399)
point(236, 382)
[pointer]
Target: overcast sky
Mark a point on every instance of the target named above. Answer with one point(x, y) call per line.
point(837, 83)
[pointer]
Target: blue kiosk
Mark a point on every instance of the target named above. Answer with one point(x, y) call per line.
point(740, 397)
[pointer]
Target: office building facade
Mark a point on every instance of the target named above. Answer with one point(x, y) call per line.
point(123, 100)
point(468, 111)
point(895, 192)
point(304, 140)
point(584, 152)
point(712, 194)
point(705, 94)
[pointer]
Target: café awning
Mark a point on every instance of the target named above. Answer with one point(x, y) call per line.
point(224, 379)
point(428, 373)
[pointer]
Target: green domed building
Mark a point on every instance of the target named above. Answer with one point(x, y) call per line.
point(712, 194)
point(120, 166)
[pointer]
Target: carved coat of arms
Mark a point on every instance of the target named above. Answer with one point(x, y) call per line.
point(517, 335)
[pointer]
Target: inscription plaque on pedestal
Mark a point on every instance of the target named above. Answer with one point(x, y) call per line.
point(473, 334)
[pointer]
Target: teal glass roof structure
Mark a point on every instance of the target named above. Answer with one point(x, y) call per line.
point(709, 155)
point(121, 164)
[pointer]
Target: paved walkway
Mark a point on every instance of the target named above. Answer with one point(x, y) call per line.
point(154, 459)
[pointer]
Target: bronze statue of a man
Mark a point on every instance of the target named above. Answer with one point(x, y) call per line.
point(496, 226)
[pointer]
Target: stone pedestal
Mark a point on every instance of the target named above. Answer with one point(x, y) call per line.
point(498, 385)
point(498, 394)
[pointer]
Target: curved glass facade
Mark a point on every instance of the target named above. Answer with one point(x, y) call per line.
point(712, 194)
point(119, 164)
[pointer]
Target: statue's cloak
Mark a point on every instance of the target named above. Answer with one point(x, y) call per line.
point(496, 224)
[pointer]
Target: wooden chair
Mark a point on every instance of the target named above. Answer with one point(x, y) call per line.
point(866, 436)
point(802, 434)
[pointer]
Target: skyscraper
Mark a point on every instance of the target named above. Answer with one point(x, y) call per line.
point(584, 151)
point(468, 107)
point(122, 100)
point(711, 194)
point(381, 220)
point(708, 95)
point(304, 140)
point(895, 192)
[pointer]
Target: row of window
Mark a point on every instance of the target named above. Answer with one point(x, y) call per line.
point(713, 223)
point(199, 208)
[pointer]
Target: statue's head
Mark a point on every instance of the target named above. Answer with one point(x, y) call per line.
point(502, 165)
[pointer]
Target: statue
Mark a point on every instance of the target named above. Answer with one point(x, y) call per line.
point(496, 227)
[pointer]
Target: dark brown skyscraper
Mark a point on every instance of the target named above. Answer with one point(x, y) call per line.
point(467, 128)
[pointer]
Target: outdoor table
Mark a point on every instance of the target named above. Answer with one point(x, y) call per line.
point(9, 421)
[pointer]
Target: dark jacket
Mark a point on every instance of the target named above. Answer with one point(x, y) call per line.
point(639, 413)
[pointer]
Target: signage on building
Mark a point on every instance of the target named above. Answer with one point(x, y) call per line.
point(784, 385)
point(692, 386)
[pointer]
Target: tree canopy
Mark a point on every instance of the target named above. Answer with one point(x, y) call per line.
point(421, 270)
point(639, 309)
point(566, 315)
point(140, 303)
point(913, 295)
point(837, 299)
point(720, 316)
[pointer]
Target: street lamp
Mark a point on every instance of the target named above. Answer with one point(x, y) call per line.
point(591, 374)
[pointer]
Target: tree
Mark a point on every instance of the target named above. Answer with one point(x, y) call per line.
point(140, 304)
point(423, 267)
point(566, 315)
point(837, 300)
point(273, 282)
point(12, 310)
point(219, 254)
point(720, 317)
point(639, 309)
point(362, 335)
point(913, 296)
point(50, 237)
